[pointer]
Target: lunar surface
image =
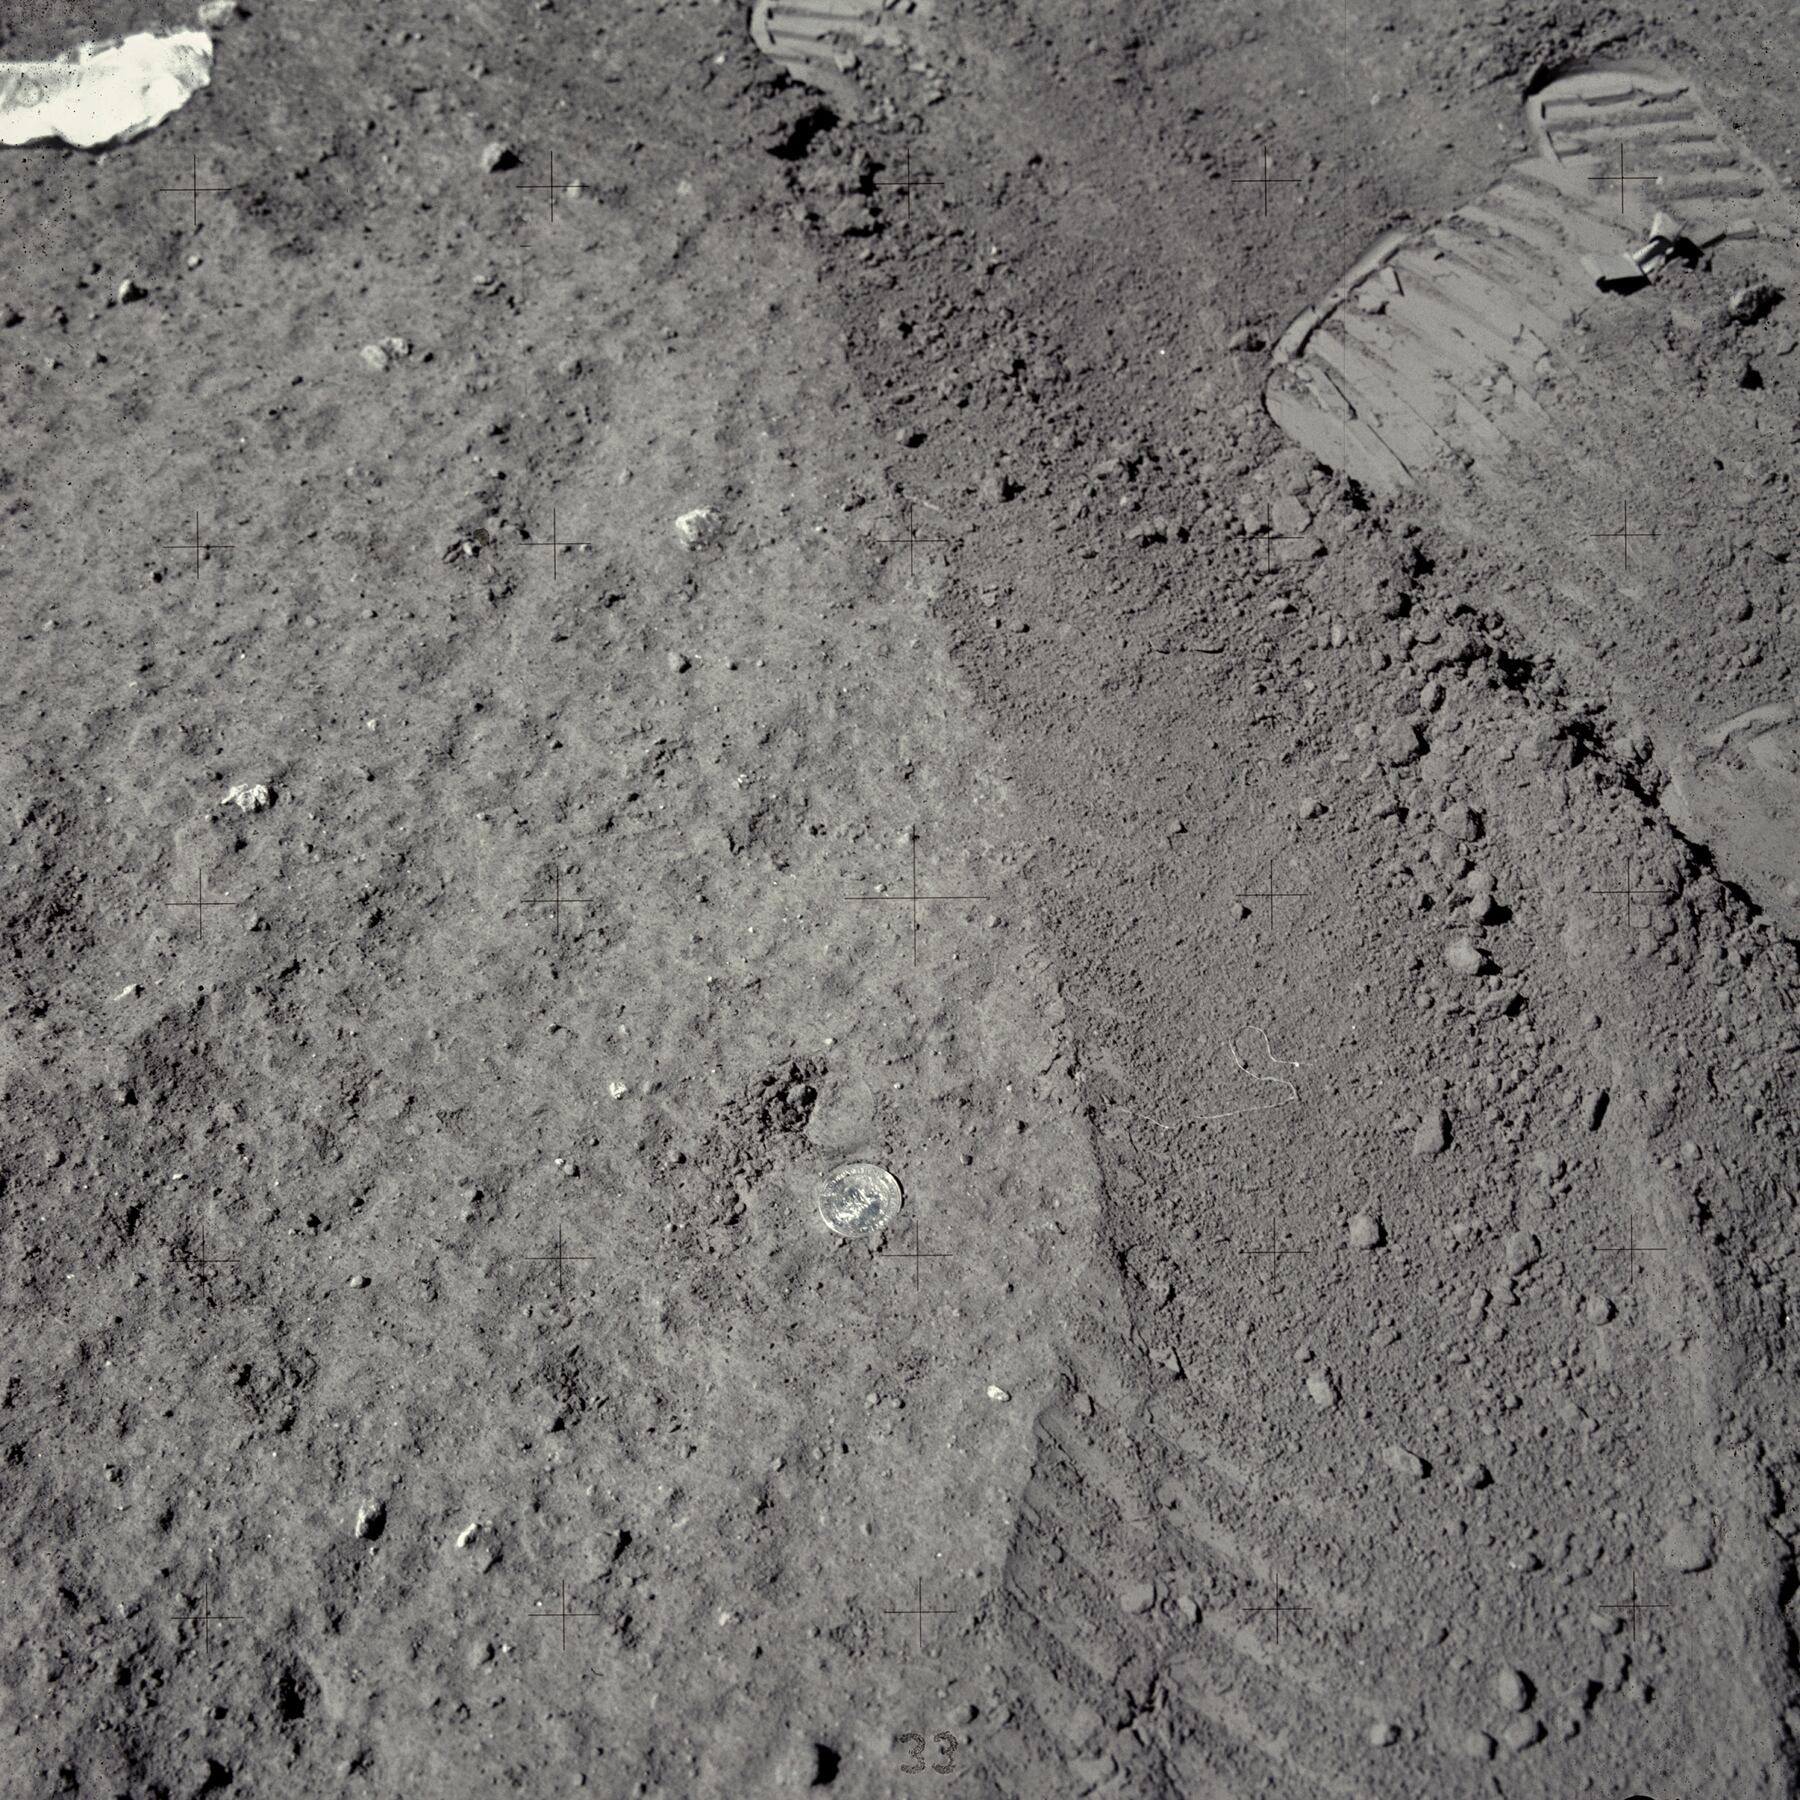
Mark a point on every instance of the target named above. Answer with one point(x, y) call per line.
point(635, 630)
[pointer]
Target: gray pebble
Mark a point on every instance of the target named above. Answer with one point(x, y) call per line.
point(1433, 1136)
point(1462, 958)
point(1686, 1548)
point(1365, 1231)
point(1399, 743)
point(1521, 1734)
point(1521, 1251)
point(1512, 1690)
point(1403, 1462)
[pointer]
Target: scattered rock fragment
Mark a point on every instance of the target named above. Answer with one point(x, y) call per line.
point(247, 796)
point(386, 353)
point(371, 1519)
point(127, 291)
point(1403, 1462)
point(1512, 1690)
point(1520, 1251)
point(698, 528)
point(497, 156)
point(1462, 958)
point(1323, 1390)
point(1365, 1231)
point(1686, 1548)
point(1400, 743)
point(1750, 303)
point(1521, 1734)
point(1433, 1136)
point(1137, 1597)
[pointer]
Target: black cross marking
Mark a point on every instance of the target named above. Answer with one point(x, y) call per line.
point(556, 545)
point(1625, 534)
point(1622, 178)
point(915, 897)
point(553, 185)
point(920, 1611)
point(556, 903)
point(908, 182)
point(1272, 536)
point(203, 1261)
point(1630, 892)
point(1634, 1608)
point(562, 1616)
point(1275, 1251)
point(206, 1617)
point(1265, 180)
point(196, 546)
point(559, 1256)
point(915, 1255)
point(1630, 1248)
point(202, 903)
point(1278, 1609)
point(1271, 894)
point(912, 540)
point(195, 189)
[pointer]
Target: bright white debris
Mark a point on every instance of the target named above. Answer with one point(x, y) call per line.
point(103, 93)
point(998, 1393)
point(247, 796)
point(698, 528)
point(388, 351)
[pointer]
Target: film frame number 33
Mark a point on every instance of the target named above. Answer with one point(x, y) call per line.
point(946, 1743)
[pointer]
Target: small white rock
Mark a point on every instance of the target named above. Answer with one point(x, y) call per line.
point(998, 1393)
point(466, 1536)
point(698, 528)
point(247, 796)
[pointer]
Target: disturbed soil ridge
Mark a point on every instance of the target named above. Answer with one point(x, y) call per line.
point(1578, 1251)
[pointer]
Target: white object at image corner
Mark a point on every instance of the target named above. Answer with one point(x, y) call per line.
point(103, 93)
